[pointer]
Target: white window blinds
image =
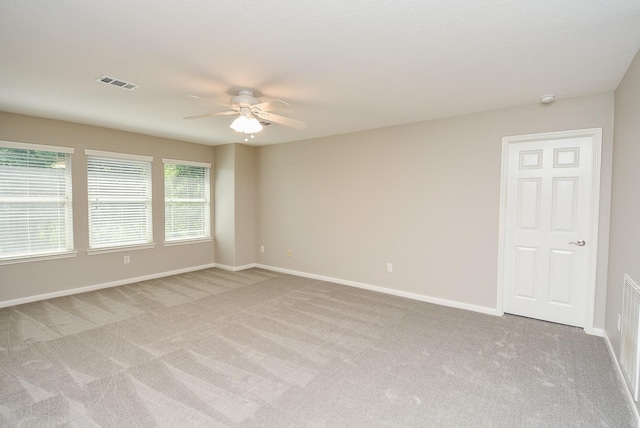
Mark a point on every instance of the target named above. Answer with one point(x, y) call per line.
point(35, 200)
point(119, 190)
point(186, 199)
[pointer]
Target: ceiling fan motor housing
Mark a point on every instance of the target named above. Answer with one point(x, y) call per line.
point(244, 98)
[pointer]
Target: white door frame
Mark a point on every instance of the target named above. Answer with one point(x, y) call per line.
point(594, 211)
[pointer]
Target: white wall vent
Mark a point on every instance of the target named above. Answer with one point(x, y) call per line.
point(116, 82)
point(629, 341)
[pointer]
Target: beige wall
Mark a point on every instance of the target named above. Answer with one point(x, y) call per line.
point(424, 197)
point(245, 191)
point(235, 210)
point(35, 278)
point(224, 211)
point(625, 199)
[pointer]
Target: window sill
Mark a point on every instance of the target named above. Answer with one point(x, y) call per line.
point(38, 258)
point(187, 241)
point(119, 249)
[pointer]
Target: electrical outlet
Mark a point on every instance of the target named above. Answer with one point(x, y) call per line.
point(619, 322)
point(289, 253)
point(262, 248)
point(389, 267)
point(127, 260)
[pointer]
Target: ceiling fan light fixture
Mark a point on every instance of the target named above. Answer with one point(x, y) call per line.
point(253, 126)
point(239, 123)
point(246, 125)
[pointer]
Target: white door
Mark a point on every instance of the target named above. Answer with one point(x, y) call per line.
point(549, 221)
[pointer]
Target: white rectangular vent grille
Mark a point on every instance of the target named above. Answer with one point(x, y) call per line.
point(116, 82)
point(629, 341)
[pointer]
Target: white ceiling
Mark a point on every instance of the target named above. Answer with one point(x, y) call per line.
point(343, 65)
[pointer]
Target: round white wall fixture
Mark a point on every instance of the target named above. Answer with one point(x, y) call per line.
point(547, 99)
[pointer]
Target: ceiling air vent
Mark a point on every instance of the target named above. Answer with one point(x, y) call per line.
point(115, 82)
point(265, 123)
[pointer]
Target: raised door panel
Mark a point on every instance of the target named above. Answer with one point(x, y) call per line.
point(560, 277)
point(529, 203)
point(526, 272)
point(564, 204)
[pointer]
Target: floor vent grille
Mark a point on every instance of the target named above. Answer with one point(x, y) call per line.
point(629, 341)
point(116, 82)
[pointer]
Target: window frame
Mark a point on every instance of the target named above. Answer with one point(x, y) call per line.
point(66, 200)
point(206, 200)
point(123, 246)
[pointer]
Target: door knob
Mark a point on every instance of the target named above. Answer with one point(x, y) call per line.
point(580, 243)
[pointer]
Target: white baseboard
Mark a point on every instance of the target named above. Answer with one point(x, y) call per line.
point(235, 268)
point(632, 403)
point(595, 331)
point(78, 290)
point(399, 293)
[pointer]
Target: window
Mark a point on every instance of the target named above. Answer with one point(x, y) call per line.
point(119, 190)
point(186, 200)
point(36, 217)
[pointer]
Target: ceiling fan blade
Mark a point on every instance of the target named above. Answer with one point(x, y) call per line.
point(286, 121)
point(200, 116)
point(271, 105)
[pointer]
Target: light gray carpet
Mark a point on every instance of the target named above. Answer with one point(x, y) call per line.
point(260, 349)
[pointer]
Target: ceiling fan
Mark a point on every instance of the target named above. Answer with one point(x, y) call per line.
point(249, 109)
